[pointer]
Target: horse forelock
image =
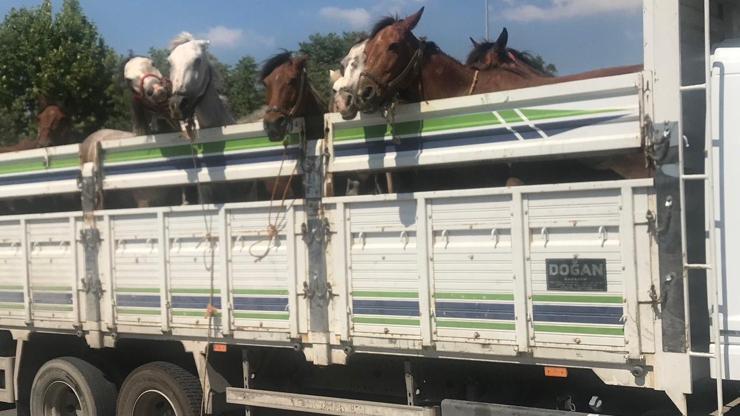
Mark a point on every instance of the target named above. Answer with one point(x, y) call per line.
point(138, 66)
point(180, 39)
point(479, 52)
point(275, 61)
point(383, 23)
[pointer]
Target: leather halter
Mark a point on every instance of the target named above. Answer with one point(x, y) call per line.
point(140, 95)
point(289, 114)
point(412, 68)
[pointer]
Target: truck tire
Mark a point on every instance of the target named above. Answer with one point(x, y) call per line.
point(158, 389)
point(71, 386)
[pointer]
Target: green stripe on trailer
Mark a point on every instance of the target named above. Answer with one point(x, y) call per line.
point(456, 122)
point(52, 288)
point(502, 326)
point(11, 306)
point(262, 316)
point(220, 147)
point(38, 164)
point(534, 114)
point(578, 299)
point(384, 294)
point(138, 289)
point(385, 321)
point(201, 314)
point(11, 287)
point(128, 311)
point(196, 291)
point(473, 296)
point(276, 292)
point(586, 330)
point(53, 308)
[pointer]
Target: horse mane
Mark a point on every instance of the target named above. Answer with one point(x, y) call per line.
point(381, 24)
point(482, 48)
point(273, 62)
point(181, 38)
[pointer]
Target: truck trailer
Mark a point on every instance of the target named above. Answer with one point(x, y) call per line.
point(447, 293)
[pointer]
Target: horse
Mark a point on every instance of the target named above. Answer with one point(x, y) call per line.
point(150, 95)
point(53, 129)
point(496, 56)
point(398, 63)
point(344, 82)
point(194, 84)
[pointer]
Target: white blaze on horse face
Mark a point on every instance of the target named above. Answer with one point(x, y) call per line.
point(353, 64)
point(189, 68)
point(138, 67)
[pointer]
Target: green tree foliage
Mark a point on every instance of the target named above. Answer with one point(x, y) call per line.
point(325, 52)
point(243, 89)
point(539, 63)
point(61, 57)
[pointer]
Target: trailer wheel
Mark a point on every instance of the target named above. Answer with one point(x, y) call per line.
point(71, 386)
point(160, 389)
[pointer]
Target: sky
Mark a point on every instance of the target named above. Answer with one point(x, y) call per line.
point(575, 35)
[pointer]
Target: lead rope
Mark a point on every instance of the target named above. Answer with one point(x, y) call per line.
point(475, 82)
point(274, 228)
point(211, 311)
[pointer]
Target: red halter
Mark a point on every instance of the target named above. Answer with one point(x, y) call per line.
point(141, 96)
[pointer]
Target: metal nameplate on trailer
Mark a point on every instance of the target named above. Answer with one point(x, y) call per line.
point(576, 275)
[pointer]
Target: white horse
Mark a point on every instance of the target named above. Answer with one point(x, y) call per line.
point(344, 84)
point(194, 84)
point(149, 104)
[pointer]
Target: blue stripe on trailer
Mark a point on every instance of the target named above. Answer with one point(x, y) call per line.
point(471, 310)
point(578, 314)
point(464, 138)
point(140, 301)
point(52, 298)
point(16, 297)
point(385, 307)
point(261, 304)
point(40, 177)
point(207, 162)
point(194, 302)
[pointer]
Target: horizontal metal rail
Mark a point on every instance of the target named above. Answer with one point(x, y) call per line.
point(321, 404)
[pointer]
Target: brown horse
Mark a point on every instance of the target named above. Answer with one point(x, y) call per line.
point(288, 95)
point(398, 63)
point(53, 127)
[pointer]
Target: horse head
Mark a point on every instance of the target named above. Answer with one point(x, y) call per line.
point(190, 74)
point(147, 82)
point(393, 57)
point(344, 83)
point(53, 126)
point(488, 55)
point(286, 85)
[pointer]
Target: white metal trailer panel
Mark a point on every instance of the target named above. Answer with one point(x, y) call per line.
point(220, 154)
point(726, 134)
point(497, 271)
point(594, 115)
point(51, 170)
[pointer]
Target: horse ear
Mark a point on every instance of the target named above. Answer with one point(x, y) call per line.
point(475, 44)
point(410, 22)
point(334, 76)
point(503, 39)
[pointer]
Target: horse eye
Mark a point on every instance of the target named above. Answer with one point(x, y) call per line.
point(394, 46)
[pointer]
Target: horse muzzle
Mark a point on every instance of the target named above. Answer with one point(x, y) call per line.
point(368, 96)
point(180, 107)
point(276, 127)
point(346, 105)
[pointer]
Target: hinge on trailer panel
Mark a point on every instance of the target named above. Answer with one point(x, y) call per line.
point(655, 301)
point(657, 142)
point(654, 226)
point(319, 234)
